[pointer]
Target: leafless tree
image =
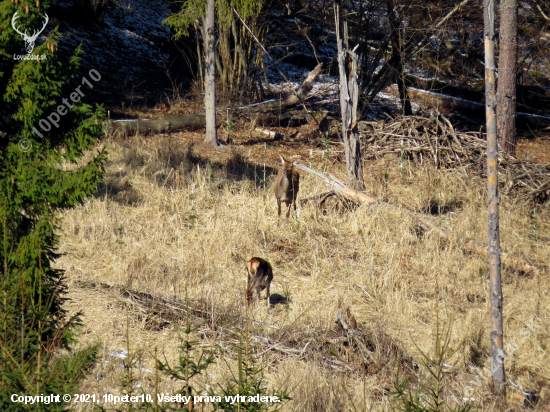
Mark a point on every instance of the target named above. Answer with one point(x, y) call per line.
point(210, 75)
point(348, 63)
point(497, 354)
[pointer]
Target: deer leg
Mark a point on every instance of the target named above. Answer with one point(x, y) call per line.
point(267, 289)
point(279, 206)
point(289, 206)
point(259, 292)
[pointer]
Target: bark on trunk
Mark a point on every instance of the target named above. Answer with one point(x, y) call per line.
point(507, 75)
point(210, 75)
point(495, 287)
point(349, 96)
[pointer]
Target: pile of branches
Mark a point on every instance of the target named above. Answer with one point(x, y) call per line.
point(435, 140)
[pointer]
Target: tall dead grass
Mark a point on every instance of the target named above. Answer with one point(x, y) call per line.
point(168, 221)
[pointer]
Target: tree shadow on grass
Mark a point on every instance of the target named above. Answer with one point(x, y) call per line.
point(170, 166)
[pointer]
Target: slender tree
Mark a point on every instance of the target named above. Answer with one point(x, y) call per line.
point(397, 58)
point(507, 75)
point(210, 75)
point(239, 24)
point(497, 354)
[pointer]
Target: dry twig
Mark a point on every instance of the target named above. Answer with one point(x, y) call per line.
point(418, 138)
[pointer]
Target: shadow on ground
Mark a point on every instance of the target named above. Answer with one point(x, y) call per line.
point(170, 166)
point(276, 299)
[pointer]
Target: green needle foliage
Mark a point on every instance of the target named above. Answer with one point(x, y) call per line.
point(35, 331)
point(248, 384)
point(429, 394)
point(189, 366)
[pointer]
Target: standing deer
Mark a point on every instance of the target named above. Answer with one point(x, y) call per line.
point(260, 275)
point(286, 185)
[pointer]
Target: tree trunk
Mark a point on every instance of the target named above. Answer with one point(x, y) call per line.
point(349, 96)
point(507, 75)
point(495, 287)
point(397, 56)
point(210, 75)
point(155, 126)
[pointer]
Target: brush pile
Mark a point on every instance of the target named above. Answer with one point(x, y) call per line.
point(435, 140)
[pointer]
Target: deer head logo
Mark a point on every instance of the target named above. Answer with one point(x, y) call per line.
point(29, 40)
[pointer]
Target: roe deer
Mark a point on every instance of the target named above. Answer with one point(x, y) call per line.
point(260, 275)
point(286, 185)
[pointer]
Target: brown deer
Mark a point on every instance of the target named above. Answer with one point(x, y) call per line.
point(260, 275)
point(286, 185)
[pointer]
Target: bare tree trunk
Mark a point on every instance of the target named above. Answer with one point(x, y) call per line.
point(199, 53)
point(507, 75)
point(349, 96)
point(497, 353)
point(210, 75)
point(397, 56)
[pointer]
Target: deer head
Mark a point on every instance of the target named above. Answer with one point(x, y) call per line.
point(29, 40)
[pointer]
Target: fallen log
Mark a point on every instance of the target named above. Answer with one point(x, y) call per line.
point(530, 98)
point(361, 198)
point(270, 133)
point(296, 97)
point(155, 126)
point(445, 104)
point(340, 188)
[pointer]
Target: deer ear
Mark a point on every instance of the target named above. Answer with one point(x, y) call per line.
point(282, 160)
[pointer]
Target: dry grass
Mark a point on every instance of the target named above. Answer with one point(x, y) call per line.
point(168, 221)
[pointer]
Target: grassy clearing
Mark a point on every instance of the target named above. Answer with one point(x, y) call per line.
point(169, 222)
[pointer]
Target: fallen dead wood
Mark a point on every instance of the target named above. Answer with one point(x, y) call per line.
point(270, 133)
point(154, 126)
point(340, 188)
point(530, 99)
point(295, 97)
point(161, 311)
point(445, 103)
point(470, 244)
point(434, 139)
point(319, 197)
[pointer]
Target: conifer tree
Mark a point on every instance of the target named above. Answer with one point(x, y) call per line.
point(41, 126)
